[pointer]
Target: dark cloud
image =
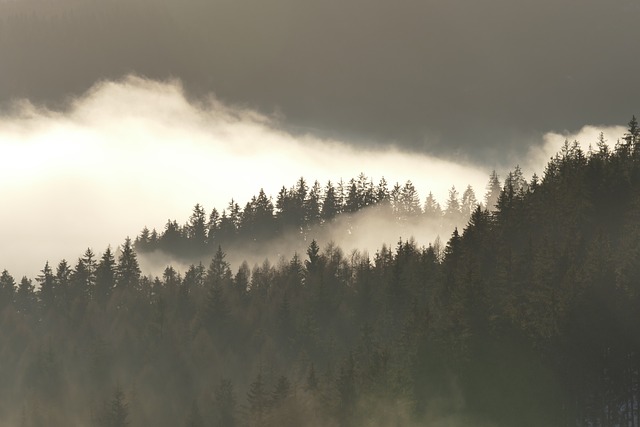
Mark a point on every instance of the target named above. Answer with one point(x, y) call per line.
point(481, 79)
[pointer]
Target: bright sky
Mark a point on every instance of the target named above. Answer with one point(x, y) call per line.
point(137, 153)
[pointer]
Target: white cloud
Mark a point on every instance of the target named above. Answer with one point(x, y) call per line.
point(137, 152)
point(539, 156)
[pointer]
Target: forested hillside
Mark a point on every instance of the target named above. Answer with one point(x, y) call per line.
point(527, 316)
point(301, 213)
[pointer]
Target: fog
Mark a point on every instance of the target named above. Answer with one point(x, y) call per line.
point(359, 234)
point(137, 152)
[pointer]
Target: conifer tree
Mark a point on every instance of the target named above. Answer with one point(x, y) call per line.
point(330, 203)
point(105, 277)
point(25, 296)
point(452, 211)
point(197, 229)
point(382, 195)
point(632, 137)
point(469, 202)
point(213, 226)
point(46, 293)
point(432, 208)
point(314, 204)
point(493, 191)
point(128, 270)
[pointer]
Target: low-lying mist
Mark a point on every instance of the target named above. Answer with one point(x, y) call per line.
point(358, 234)
point(137, 151)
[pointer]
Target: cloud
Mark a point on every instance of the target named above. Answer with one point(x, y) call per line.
point(136, 152)
point(539, 155)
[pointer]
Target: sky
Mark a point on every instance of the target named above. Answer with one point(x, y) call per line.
point(480, 80)
point(120, 114)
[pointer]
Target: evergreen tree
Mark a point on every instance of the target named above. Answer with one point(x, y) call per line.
point(143, 241)
point(452, 211)
point(469, 202)
point(330, 204)
point(81, 282)
point(264, 219)
point(197, 229)
point(353, 203)
point(105, 277)
point(46, 293)
point(171, 239)
point(382, 195)
point(314, 204)
point(493, 191)
point(213, 226)
point(128, 270)
point(258, 402)
point(63, 283)
point(432, 208)
point(632, 137)
point(25, 296)
point(410, 201)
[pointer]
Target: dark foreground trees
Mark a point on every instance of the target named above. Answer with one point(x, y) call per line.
point(528, 316)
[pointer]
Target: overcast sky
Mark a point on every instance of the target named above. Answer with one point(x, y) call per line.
point(238, 95)
point(478, 79)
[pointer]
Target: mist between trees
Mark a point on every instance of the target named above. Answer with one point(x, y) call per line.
point(527, 317)
point(356, 216)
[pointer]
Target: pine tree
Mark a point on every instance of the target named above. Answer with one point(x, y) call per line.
point(143, 241)
point(263, 216)
point(313, 252)
point(452, 211)
point(352, 203)
point(314, 204)
point(632, 137)
point(410, 201)
point(63, 283)
point(81, 282)
point(493, 191)
point(213, 226)
point(171, 239)
point(330, 204)
point(128, 270)
point(382, 197)
point(432, 209)
point(46, 293)
point(197, 229)
point(26, 297)
point(105, 277)
point(469, 202)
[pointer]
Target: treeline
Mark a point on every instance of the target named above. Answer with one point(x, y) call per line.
point(528, 317)
point(302, 211)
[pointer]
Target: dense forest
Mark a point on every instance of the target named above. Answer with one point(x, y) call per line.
point(527, 316)
point(340, 212)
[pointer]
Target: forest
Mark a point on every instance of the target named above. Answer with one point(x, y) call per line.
point(525, 316)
